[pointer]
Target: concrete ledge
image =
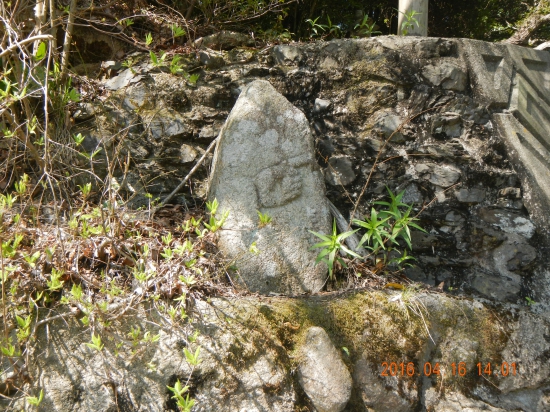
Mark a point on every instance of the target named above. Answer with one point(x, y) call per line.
point(532, 162)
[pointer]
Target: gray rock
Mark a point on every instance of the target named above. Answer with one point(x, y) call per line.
point(444, 176)
point(491, 70)
point(286, 55)
point(517, 254)
point(224, 40)
point(422, 168)
point(377, 394)
point(209, 132)
point(447, 75)
point(187, 153)
point(447, 125)
point(510, 192)
point(321, 106)
point(85, 111)
point(120, 81)
point(454, 402)
point(470, 195)
point(527, 346)
point(498, 287)
point(165, 123)
point(508, 221)
point(264, 161)
point(340, 171)
point(322, 373)
point(454, 218)
point(387, 124)
point(412, 195)
point(211, 59)
point(374, 144)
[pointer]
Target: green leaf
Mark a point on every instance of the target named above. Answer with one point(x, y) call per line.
point(74, 96)
point(154, 58)
point(40, 51)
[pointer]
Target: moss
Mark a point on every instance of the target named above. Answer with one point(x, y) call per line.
point(463, 321)
point(373, 326)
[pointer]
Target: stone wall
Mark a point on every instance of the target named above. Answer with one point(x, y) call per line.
point(471, 119)
point(464, 119)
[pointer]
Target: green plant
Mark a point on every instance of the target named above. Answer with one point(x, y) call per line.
point(157, 61)
point(330, 246)
point(214, 223)
point(409, 22)
point(193, 78)
point(386, 227)
point(333, 29)
point(55, 282)
point(78, 139)
point(24, 324)
point(148, 39)
point(96, 343)
point(529, 301)
point(185, 404)
point(31, 259)
point(175, 67)
point(265, 219)
point(315, 28)
point(254, 248)
point(365, 28)
point(34, 401)
point(177, 31)
point(192, 358)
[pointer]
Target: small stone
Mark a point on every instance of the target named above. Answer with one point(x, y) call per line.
point(322, 373)
point(285, 55)
point(454, 218)
point(187, 153)
point(447, 75)
point(111, 65)
point(412, 195)
point(470, 195)
point(224, 40)
point(422, 168)
point(501, 288)
point(340, 171)
point(508, 221)
point(211, 60)
point(120, 81)
point(444, 176)
point(447, 125)
point(375, 144)
point(321, 106)
point(510, 193)
point(165, 123)
point(387, 124)
point(520, 255)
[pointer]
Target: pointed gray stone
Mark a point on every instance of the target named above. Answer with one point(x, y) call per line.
point(264, 162)
point(322, 373)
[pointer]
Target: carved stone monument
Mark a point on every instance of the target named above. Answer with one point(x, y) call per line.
point(265, 162)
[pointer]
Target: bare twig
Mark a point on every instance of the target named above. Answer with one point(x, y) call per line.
point(68, 39)
point(363, 190)
point(31, 39)
point(191, 172)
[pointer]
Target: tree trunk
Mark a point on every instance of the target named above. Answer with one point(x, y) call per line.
point(530, 25)
point(413, 25)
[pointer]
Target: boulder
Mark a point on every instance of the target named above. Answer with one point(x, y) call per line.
point(264, 162)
